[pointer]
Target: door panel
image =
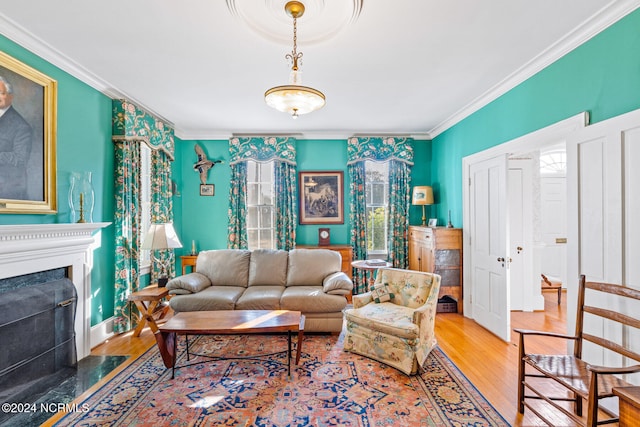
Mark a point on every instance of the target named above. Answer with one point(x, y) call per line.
point(490, 295)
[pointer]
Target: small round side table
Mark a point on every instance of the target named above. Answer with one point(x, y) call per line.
point(369, 269)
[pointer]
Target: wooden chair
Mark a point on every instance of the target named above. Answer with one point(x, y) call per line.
point(581, 379)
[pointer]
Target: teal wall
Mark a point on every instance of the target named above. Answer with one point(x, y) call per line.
point(602, 76)
point(83, 144)
point(205, 219)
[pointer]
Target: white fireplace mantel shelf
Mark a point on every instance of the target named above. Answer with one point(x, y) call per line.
point(31, 248)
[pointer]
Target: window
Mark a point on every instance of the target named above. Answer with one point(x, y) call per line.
point(377, 206)
point(553, 162)
point(260, 205)
point(145, 205)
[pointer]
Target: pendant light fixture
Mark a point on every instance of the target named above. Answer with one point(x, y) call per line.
point(294, 98)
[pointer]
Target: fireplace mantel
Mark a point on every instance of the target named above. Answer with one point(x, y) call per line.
point(31, 248)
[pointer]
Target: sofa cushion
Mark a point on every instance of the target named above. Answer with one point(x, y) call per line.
point(264, 297)
point(192, 282)
point(268, 267)
point(337, 284)
point(385, 317)
point(309, 267)
point(311, 299)
point(211, 298)
point(225, 267)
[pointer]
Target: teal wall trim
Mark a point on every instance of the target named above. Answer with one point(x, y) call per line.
point(602, 76)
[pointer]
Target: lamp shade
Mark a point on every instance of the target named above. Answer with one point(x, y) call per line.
point(161, 236)
point(422, 195)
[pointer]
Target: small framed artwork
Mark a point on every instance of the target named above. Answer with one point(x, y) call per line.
point(207, 190)
point(321, 197)
point(27, 139)
point(433, 222)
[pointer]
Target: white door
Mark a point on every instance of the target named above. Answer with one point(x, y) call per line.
point(603, 231)
point(553, 224)
point(489, 257)
point(520, 232)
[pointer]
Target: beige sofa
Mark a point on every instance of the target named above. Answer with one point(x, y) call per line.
point(306, 280)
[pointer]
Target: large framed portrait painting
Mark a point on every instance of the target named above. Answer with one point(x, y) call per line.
point(27, 139)
point(321, 197)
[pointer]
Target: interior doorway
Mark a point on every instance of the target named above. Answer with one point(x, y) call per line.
point(529, 258)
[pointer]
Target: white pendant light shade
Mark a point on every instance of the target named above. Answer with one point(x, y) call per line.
point(294, 98)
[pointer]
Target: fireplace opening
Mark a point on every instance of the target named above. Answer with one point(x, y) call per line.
point(37, 315)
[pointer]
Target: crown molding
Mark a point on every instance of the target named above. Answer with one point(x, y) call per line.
point(185, 135)
point(601, 20)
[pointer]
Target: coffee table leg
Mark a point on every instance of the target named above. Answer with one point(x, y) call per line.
point(289, 355)
point(300, 336)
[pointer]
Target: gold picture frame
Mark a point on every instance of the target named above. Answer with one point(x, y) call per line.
point(28, 175)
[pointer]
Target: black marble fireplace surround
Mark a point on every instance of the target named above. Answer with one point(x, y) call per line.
point(37, 337)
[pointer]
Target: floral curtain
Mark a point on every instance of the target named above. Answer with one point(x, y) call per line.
point(161, 208)
point(237, 229)
point(399, 203)
point(358, 219)
point(127, 223)
point(281, 150)
point(399, 152)
point(285, 205)
point(131, 127)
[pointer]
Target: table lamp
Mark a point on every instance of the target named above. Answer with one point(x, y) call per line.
point(422, 196)
point(161, 237)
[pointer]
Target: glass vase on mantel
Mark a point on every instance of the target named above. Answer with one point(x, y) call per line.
point(81, 197)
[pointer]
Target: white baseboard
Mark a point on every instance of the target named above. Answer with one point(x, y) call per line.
point(102, 332)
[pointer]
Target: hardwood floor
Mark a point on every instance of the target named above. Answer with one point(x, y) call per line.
point(487, 361)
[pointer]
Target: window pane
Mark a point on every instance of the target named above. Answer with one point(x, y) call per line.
point(252, 217)
point(266, 172)
point(252, 194)
point(252, 236)
point(266, 217)
point(252, 171)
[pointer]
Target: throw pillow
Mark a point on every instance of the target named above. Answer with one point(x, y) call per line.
point(380, 293)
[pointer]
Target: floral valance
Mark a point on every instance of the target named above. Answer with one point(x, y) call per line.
point(130, 122)
point(380, 149)
point(262, 149)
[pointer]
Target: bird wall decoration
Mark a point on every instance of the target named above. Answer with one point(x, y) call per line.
point(203, 164)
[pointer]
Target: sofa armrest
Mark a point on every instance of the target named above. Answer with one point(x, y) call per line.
point(361, 300)
point(192, 282)
point(337, 284)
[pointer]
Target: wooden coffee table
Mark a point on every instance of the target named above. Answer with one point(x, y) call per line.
point(229, 322)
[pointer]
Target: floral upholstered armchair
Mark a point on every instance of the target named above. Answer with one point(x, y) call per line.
point(394, 322)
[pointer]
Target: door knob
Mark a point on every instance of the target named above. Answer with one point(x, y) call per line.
point(519, 249)
point(500, 259)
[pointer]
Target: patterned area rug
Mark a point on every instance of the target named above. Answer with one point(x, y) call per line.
point(328, 388)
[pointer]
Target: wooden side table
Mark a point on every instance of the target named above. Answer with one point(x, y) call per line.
point(188, 261)
point(147, 301)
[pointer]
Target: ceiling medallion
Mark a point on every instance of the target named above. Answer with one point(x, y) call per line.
point(323, 19)
point(294, 98)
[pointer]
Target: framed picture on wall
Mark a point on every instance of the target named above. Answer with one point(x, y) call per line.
point(321, 197)
point(207, 190)
point(27, 139)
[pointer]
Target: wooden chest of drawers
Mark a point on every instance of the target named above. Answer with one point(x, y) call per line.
point(438, 250)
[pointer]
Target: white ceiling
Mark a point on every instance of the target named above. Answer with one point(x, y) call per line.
point(411, 67)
